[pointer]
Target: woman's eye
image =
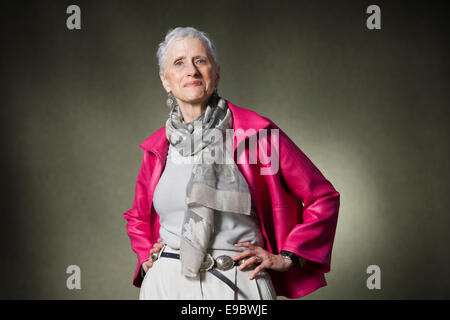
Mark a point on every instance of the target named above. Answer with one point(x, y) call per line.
point(178, 63)
point(201, 61)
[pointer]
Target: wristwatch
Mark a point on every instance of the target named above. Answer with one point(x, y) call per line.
point(290, 255)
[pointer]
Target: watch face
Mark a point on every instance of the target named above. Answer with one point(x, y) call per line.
point(289, 255)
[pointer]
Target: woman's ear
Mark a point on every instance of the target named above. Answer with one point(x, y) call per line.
point(164, 82)
point(216, 82)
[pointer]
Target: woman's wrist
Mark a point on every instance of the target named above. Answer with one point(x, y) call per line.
point(286, 262)
point(290, 256)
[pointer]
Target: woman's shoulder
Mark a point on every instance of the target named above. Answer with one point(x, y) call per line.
point(245, 118)
point(155, 140)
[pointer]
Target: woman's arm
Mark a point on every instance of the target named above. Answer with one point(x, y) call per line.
point(313, 238)
point(138, 217)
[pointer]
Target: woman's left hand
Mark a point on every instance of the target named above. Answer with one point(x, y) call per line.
point(267, 260)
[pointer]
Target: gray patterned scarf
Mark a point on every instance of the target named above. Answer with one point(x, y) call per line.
point(215, 183)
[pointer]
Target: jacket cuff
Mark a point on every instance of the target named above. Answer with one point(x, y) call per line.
point(296, 259)
point(142, 272)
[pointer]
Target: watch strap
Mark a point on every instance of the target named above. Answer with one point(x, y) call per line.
point(290, 255)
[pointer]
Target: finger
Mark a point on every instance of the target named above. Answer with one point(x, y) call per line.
point(249, 262)
point(160, 240)
point(257, 270)
point(147, 265)
point(244, 244)
point(244, 254)
point(154, 250)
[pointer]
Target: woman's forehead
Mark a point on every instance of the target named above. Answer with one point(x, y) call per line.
point(187, 47)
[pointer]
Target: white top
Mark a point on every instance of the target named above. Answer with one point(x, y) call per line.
point(169, 202)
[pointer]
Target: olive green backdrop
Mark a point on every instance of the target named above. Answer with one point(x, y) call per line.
point(370, 109)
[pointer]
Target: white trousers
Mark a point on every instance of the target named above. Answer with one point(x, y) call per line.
point(164, 281)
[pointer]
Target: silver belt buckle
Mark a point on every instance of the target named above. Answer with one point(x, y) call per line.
point(224, 263)
point(155, 256)
point(208, 263)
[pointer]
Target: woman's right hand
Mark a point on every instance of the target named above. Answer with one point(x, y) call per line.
point(156, 248)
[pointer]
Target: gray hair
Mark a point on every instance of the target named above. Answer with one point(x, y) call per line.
point(180, 33)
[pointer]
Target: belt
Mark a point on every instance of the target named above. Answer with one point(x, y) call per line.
point(210, 264)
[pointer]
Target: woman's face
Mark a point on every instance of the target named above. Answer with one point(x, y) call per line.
point(189, 71)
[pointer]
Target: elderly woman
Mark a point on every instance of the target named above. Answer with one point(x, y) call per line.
point(226, 205)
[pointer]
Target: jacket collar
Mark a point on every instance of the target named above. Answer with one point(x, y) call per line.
point(244, 119)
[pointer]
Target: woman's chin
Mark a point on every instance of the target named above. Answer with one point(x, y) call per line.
point(196, 98)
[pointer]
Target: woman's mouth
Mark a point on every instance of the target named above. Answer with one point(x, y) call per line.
point(193, 83)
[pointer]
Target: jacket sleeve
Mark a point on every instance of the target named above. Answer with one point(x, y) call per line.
point(138, 219)
point(313, 238)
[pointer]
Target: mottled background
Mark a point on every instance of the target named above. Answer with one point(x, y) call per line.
point(370, 109)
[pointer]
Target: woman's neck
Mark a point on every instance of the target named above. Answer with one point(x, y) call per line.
point(191, 112)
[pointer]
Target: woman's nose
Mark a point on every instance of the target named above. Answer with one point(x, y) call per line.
point(191, 69)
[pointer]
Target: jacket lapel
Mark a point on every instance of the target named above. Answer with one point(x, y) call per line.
point(157, 143)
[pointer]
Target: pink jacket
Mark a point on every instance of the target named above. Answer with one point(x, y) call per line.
point(298, 207)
